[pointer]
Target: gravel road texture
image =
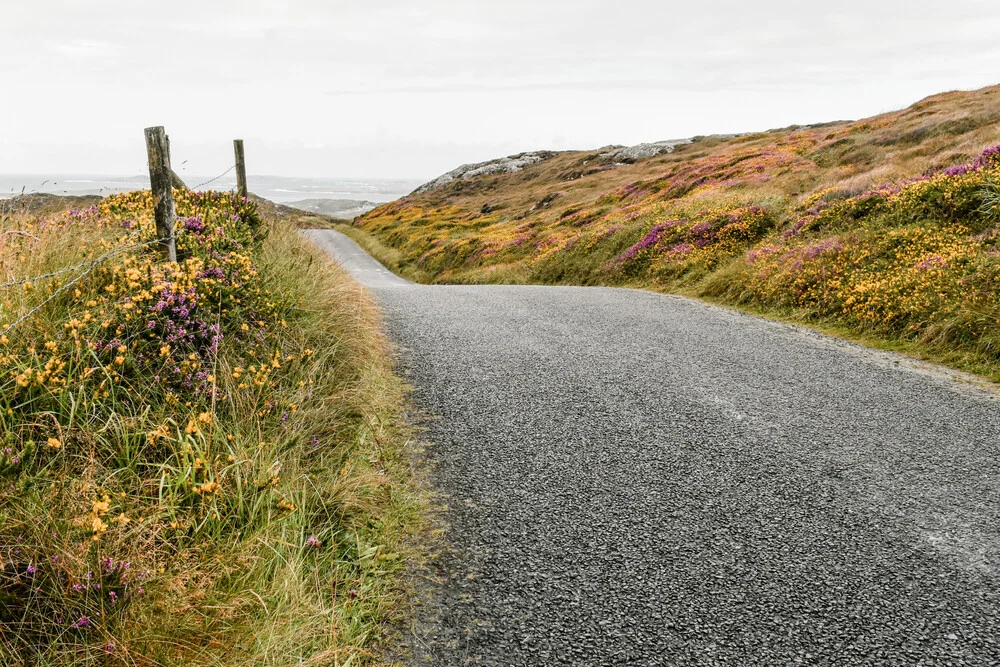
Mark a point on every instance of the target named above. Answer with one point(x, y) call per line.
point(640, 479)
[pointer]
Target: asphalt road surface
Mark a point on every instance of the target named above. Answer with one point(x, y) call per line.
point(639, 479)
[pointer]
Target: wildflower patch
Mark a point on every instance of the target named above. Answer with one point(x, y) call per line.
point(166, 430)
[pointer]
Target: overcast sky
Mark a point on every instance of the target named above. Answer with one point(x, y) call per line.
point(411, 89)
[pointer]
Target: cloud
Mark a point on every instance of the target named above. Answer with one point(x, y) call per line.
point(455, 81)
point(84, 48)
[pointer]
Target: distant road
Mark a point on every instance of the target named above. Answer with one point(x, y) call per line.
point(638, 479)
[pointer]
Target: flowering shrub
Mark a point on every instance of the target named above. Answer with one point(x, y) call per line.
point(919, 259)
point(897, 280)
point(675, 247)
point(149, 418)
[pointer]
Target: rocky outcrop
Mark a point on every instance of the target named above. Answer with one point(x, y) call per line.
point(629, 154)
point(505, 165)
point(608, 155)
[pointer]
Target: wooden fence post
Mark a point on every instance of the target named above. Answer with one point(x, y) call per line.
point(241, 168)
point(175, 180)
point(158, 151)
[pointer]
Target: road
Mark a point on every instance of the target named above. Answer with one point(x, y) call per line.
point(640, 479)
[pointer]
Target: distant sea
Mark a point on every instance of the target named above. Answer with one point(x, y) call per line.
point(280, 189)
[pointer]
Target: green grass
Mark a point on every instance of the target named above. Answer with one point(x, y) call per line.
point(264, 517)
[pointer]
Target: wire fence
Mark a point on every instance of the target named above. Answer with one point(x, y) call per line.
point(213, 180)
point(27, 194)
point(44, 276)
point(24, 202)
point(86, 267)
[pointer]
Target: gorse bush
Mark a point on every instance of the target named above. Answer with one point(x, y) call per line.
point(918, 260)
point(183, 472)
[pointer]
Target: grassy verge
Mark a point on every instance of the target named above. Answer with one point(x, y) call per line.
point(202, 462)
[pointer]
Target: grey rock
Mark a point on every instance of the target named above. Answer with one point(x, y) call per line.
point(505, 165)
point(644, 151)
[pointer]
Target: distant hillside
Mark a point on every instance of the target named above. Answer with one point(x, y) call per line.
point(346, 209)
point(885, 226)
point(42, 203)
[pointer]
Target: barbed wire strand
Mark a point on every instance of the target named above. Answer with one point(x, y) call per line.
point(31, 195)
point(25, 281)
point(68, 269)
point(27, 197)
point(213, 180)
point(73, 282)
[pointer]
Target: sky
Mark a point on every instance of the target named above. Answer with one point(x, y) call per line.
point(411, 89)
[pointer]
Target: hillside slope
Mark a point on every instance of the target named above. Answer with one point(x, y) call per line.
point(884, 227)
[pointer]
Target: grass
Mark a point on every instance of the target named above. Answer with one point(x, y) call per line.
point(203, 463)
point(884, 230)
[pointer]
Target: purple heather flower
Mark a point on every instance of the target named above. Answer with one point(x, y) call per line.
point(701, 228)
point(82, 623)
point(958, 170)
point(213, 272)
point(313, 542)
point(194, 224)
point(678, 251)
point(932, 262)
point(648, 241)
point(821, 248)
point(989, 157)
point(761, 253)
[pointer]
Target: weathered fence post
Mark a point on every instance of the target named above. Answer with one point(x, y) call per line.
point(175, 180)
point(241, 168)
point(158, 151)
